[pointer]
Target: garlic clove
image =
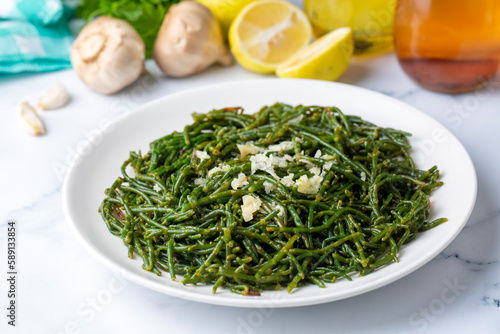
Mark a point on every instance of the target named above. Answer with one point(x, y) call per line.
point(56, 97)
point(29, 120)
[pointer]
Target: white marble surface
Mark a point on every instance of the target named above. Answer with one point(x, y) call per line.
point(62, 289)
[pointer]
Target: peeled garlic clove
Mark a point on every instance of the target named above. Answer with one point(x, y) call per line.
point(56, 97)
point(190, 39)
point(29, 120)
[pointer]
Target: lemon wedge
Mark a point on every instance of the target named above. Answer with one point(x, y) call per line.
point(325, 59)
point(267, 33)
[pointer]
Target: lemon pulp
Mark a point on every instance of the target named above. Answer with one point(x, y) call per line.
point(267, 33)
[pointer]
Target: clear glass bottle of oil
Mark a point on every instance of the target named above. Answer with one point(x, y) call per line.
point(372, 21)
point(448, 46)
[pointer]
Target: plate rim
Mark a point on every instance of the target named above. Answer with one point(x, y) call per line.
point(252, 302)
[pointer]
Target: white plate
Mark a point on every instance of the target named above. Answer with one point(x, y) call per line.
point(99, 164)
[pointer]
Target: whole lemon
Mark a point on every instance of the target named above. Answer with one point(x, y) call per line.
point(225, 11)
point(371, 21)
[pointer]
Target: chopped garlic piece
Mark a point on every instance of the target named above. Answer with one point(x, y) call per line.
point(259, 161)
point(363, 176)
point(240, 181)
point(299, 140)
point(275, 206)
point(200, 181)
point(262, 162)
point(328, 165)
point(29, 120)
point(130, 171)
point(296, 120)
point(56, 97)
point(298, 156)
point(223, 168)
point(283, 146)
point(307, 185)
point(156, 188)
point(268, 186)
point(278, 161)
point(315, 170)
point(250, 205)
point(202, 155)
point(309, 165)
point(318, 154)
point(288, 180)
point(248, 148)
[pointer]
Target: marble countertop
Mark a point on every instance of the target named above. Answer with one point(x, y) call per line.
point(62, 289)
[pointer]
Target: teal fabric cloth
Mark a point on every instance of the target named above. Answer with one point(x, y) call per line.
point(34, 35)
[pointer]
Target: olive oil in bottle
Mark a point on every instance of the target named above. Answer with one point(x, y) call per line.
point(449, 47)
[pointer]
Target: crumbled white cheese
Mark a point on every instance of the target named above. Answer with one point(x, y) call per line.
point(156, 188)
point(327, 157)
point(199, 181)
point(363, 176)
point(248, 148)
point(223, 168)
point(288, 180)
point(283, 146)
point(202, 155)
point(318, 154)
point(240, 181)
point(250, 205)
point(268, 186)
point(307, 185)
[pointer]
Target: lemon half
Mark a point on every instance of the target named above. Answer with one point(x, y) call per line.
point(325, 59)
point(267, 33)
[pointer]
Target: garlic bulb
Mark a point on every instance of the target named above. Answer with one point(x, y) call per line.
point(56, 97)
point(29, 120)
point(189, 40)
point(108, 55)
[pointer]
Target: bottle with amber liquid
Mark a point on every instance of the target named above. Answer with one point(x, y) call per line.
point(448, 46)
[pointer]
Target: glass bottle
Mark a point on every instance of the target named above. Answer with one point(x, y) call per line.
point(448, 46)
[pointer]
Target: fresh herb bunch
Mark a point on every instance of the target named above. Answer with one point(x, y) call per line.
point(285, 196)
point(145, 16)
